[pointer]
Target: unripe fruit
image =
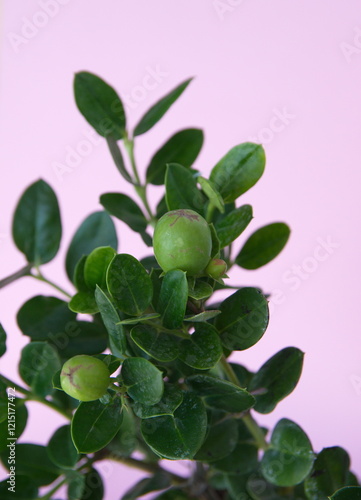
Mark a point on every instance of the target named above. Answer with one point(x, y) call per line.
point(216, 268)
point(85, 378)
point(182, 240)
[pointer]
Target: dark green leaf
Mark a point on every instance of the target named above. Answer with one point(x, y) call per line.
point(221, 393)
point(263, 245)
point(233, 224)
point(238, 170)
point(36, 224)
point(181, 189)
point(61, 449)
point(174, 494)
point(243, 319)
point(100, 105)
point(216, 244)
point(111, 361)
point(290, 458)
point(348, 493)
point(173, 298)
point(242, 460)
point(329, 473)
point(212, 193)
point(139, 319)
point(276, 379)
point(129, 284)
point(159, 481)
point(2, 341)
point(76, 484)
point(183, 148)
point(179, 436)
point(95, 231)
point(96, 266)
point(15, 421)
point(155, 113)
point(150, 263)
point(125, 441)
point(144, 382)
point(83, 303)
point(110, 317)
point(79, 337)
point(200, 291)
point(220, 441)
point(24, 489)
point(94, 425)
point(203, 350)
point(32, 460)
point(118, 158)
point(171, 399)
point(39, 362)
point(156, 343)
point(94, 488)
point(203, 316)
point(79, 280)
point(125, 209)
point(161, 208)
point(243, 375)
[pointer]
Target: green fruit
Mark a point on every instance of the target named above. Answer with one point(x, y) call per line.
point(182, 240)
point(216, 268)
point(85, 378)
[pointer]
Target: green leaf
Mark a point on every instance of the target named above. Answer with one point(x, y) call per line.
point(200, 291)
point(155, 113)
point(94, 425)
point(61, 450)
point(41, 315)
point(95, 231)
point(129, 284)
point(76, 484)
point(159, 481)
point(79, 337)
point(36, 224)
point(125, 209)
point(289, 459)
point(161, 208)
point(238, 170)
point(212, 193)
point(329, 473)
point(276, 379)
point(220, 441)
point(243, 319)
point(243, 375)
point(173, 299)
point(144, 382)
point(96, 266)
point(94, 488)
point(263, 245)
point(203, 350)
point(100, 105)
point(171, 399)
point(32, 460)
point(84, 303)
point(39, 362)
point(78, 279)
point(348, 493)
point(173, 494)
point(125, 441)
point(203, 316)
point(233, 224)
point(2, 341)
point(182, 148)
point(16, 418)
point(118, 158)
point(158, 344)
point(221, 393)
point(181, 189)
point(216, 244)
point(110, 317)
point(179, 436)
point(139, 319)
point(242, 460)
point(25, 489)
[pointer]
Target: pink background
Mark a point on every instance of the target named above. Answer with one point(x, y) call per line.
point(254, 61)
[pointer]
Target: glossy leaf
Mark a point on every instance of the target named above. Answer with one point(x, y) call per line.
point(159, 481)
point(95, 231)
point(2, 341)
point(129, 284)
point(61, 449)
point(171, 399)
point(125, 209)
point(100, 105)
point(220, 393)
point(329, 473)
point(181, 189)
point(144, 382)
point(173, 299)
point(277, 378)
point(263, 245)
point(243, 319)
point(201, 290)
point(158, 344)
point(347, 493)
point(179, 436)
point(118, 158)
point(212, 193)
point(36, 225)
point(203, 349)
point(39, 362)
point(96, 266)
point(94, 425)
point(182, 148)
point(110, 317)
point(289, 459)
point(139, 319)
point(220, 441)
point(83, 303)
point(203, 316)
point(233, 224)
point(155, 113)
point(238, 170)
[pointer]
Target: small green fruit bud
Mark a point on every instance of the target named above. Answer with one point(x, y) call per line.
point(182, 240)
point(85, 378)
point(216, 268)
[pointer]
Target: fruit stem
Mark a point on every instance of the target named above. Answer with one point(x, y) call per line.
point(42, 278)
point(24, 271)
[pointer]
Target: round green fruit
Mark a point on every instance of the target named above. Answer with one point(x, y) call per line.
point(216, 268)
point(85, 378)
point(182, 240)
